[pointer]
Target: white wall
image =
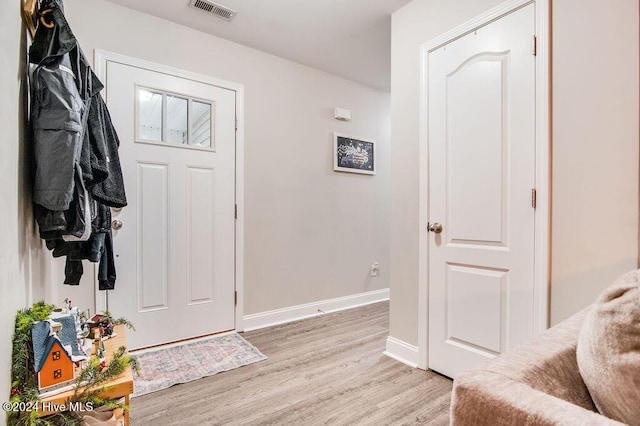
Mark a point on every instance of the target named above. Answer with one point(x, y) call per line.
point(310, 234)
point(595, 147)
point(16, 225)
point(12, 288)
point(414, 24)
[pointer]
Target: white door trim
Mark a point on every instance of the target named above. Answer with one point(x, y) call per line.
point(101, 57)
point(543, 184)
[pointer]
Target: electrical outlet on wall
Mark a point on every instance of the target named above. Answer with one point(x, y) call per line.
point(375, 269)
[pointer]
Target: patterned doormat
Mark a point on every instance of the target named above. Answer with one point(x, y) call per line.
point(164, 367)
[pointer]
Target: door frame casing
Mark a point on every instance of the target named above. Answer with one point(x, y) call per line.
point(101, 57)
point(542, 234)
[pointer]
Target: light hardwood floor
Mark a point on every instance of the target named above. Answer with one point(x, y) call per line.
point(327, 370)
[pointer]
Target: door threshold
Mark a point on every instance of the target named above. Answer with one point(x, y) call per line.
point(179, 342)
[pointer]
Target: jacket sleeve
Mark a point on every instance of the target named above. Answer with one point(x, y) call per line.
point(105, 143)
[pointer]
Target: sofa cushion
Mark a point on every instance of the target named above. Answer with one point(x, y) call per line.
point(484, 398)
point(608, 350)
point(548, 363)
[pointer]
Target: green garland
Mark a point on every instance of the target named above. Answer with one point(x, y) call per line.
point(24, 384)
point(95, 375)
point(118, 321)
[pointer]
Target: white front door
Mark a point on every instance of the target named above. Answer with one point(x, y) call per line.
point(175, 245)
point(481, 142)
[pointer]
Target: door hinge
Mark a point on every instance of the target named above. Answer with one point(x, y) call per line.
point(236, 123)
point(235, 211)
point(534, 198)
point(535, 46)
point(235, 298)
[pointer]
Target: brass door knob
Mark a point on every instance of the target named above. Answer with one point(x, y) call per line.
point(435, 228)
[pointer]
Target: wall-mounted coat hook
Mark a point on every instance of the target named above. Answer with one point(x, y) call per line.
point(30, 10)
point(43, 19)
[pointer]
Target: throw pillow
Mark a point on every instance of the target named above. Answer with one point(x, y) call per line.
point(608, 350)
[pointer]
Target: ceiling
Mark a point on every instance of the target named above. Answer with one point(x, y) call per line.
point(348, 38)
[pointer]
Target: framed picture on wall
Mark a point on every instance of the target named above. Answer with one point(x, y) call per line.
point(354, 155)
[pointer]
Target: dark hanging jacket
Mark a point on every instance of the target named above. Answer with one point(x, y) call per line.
point(77, 168)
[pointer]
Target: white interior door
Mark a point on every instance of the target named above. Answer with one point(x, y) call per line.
point(175, 244)
point(481, 136)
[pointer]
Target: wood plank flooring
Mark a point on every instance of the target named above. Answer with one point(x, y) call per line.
point(327, 370)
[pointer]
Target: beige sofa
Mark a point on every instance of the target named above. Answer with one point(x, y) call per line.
point(535, 384)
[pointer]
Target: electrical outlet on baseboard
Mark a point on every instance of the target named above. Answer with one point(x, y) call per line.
point(375, 269)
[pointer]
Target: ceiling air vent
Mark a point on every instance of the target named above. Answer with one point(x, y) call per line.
point(213, 8)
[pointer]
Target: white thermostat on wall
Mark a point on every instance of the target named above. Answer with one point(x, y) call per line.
point(342, 114)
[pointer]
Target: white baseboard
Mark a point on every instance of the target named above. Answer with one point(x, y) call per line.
point(308, 310)
point(402, 351)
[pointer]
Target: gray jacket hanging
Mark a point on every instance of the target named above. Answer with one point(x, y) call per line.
point(77, 168)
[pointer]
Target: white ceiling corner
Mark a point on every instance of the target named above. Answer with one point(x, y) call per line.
point(348, 38)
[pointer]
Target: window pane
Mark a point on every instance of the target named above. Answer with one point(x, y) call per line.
point(149, 115)
point(201, 125)
point(177, 119)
